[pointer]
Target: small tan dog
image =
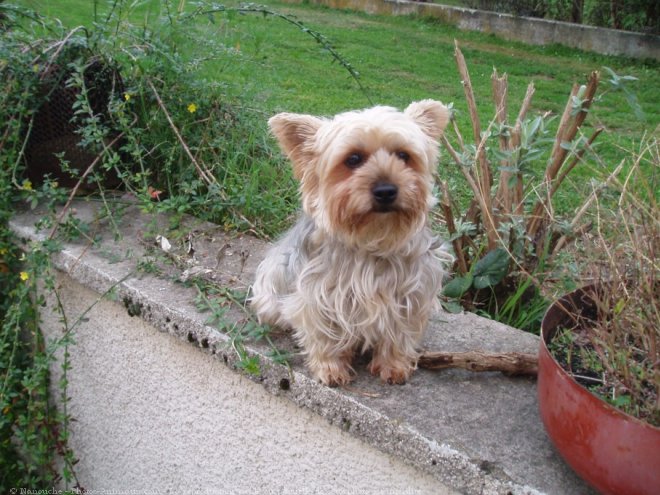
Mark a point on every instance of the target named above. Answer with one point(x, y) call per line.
point(360, 270)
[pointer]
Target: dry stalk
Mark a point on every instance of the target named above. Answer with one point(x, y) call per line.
point(611, 179)
point(469, 93)
point(459, 137)
point(578, 157)
point(457, 243)
point(204, 173)
point(475, 186)
point(518, 191)
point(59, 47)
point(626, 248)
point(524, 108)
point(500, 87)
point(563, 122)
point(569, 125)
point(81, 180)
point(482, 170)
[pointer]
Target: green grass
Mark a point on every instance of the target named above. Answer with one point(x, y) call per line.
point(399, 58)
point(272, 66)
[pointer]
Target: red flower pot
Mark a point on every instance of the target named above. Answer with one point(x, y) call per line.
point(614, 452)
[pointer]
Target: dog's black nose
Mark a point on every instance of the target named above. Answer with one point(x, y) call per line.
point(384, 193)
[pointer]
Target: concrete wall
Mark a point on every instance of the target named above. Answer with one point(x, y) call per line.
point(153, 414)
point(160, 404)
point(525, 29)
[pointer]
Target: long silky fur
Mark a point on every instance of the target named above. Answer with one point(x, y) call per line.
point(348, 278)
point(341, 299)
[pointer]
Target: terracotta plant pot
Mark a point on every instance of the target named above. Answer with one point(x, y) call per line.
point(614, 452)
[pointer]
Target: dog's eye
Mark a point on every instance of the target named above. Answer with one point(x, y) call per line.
point(403, 156)
point(354, 160)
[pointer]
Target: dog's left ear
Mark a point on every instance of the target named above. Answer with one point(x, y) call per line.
point(432, 116)
point(295, 134)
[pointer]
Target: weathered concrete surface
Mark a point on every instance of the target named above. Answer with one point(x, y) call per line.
point(155, 415)
point(473, 433)
point(525, 29)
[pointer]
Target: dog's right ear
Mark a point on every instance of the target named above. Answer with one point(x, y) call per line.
point(295, 133)
point(432, 116)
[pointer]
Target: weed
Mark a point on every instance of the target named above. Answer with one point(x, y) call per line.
point(134, 124)
point(507, 238)
point(217, 302)
point(617, 344)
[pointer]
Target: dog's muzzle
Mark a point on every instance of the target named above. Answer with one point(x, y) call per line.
point(384, 195)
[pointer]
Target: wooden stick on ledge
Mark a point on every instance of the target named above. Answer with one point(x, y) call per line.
point(511, 363)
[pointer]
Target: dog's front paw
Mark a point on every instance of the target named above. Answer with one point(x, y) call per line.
point(392, 372)
point(334, 373)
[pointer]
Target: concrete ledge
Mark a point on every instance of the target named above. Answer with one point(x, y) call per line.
point(525, 29)
point(158, 403)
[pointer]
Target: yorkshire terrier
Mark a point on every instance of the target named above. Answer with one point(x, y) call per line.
point(360, 270)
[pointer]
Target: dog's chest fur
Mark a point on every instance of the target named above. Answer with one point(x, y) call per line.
point(355, 292)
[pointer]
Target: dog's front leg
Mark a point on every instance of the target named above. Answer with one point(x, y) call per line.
point(327, 358)
point(395, 360)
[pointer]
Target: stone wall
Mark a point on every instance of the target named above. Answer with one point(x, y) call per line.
point(524, 29)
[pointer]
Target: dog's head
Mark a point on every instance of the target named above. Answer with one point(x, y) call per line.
point(366, 176)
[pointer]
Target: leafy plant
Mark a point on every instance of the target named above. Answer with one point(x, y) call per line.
point(509, 236)
point(216, 301)
point(633, 15)
point(613, 350)
point(151, 132)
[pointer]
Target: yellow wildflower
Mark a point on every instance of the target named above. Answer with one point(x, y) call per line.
point(127, 96)
point(192, 108)
point(27, 185)
point(24, 276)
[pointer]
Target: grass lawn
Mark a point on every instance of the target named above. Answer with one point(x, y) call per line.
point(399, 59)
point(273, 66)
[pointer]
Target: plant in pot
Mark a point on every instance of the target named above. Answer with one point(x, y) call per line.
point(599, 360)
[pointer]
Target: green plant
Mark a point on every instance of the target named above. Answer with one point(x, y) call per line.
point(31, 432)
point(151, 132)
point(508, 237)
point(217, 302)
point(612, 347)
point(633, 15)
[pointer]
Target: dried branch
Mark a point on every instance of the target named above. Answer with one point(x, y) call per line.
point(81, 180)
point(204, 173)
point(469, 93)
point(568, 128)
point(568, 133)
point(563, 122)
point(482, 169)
point(500, 87)
point(578, 157)
point(451, 228)
point(512, 363)
point(518, 192)
point(524, 108)
point(587, 204)
point(459, 137)
point(466, 173)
